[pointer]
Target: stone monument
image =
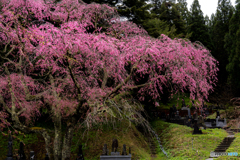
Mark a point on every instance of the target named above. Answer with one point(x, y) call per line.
point(114, 154)
point(114, 145)
point(124, 152)
point(21, 153)
point(10, 148)
point(218, 114)
point(80, 153)
point(196, 129)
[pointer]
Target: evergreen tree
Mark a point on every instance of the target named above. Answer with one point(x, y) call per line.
point(182, 8)
point(169, 13)
point(232, 46)
point(156, 8)
point(155, 27)
point(136, 11)
point(220, 28)
point(207, 21)
point(212, 20)
point(197, 26)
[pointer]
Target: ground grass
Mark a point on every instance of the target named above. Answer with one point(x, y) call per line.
point(179, 142)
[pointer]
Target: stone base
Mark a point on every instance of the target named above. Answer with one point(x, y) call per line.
point(116, 156)
point(115, 153)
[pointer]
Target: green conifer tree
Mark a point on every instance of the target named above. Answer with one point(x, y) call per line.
point(220, 28)
point(232, 46)
point(182, 8)
point(197, 26)
point(136, 11)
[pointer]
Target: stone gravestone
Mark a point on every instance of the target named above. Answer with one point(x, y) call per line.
point(218, 114)
point(200, 122)
point(174, 110)
point(188, 121)
point(114, 145)
point(80, 153)
point(177, 115)
point(46, 157)
point(195, 116)
point(206, 110)
point(114, 154)
point(21, 153)
point(196, 129)
point(32, 156)
point(105, 150)
point(10, 143)
point(124, 152)
point(183, 103)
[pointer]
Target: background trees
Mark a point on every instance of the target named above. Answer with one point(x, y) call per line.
point(220, 28)
point(197, 26)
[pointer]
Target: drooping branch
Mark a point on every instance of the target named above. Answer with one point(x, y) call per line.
point(120, 85)
point(74, 80)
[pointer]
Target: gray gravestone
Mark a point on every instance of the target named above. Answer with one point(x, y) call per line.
point(80, 153)
point(21, 153)
point(105, 151)
point(10, 154)
point(218, 114)
point(116, 155)
point(124, 152)
point(46, 157)
point(195, 116)
point(196, 129)
point(32, 156)
point(183, 103)
point(114, 145)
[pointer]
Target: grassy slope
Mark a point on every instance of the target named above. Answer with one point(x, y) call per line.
point(181, 144)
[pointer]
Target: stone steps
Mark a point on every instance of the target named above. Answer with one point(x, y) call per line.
point(152, 146)
point(225, 144)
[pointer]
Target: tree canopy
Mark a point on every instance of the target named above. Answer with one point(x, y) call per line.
point(56, 55)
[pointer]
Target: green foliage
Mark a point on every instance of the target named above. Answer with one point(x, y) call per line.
point(220, 29)
point(183, 10)
point(169, 13)
point(156, 27)
point(198, 27)
point(135, 10)
point(232, 46)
